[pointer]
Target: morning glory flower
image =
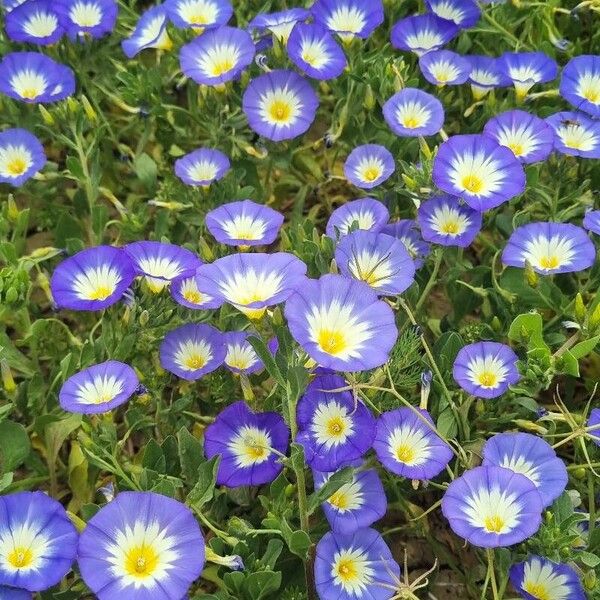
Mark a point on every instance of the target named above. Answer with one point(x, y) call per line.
point(241, 356)
point(537, 577)
point(253, 282)
point(93, 18)
point(575, 134)
point(422, 33)
point(378, 259)
point(244, 223)
point(203, 166)
point(21, 156)
point(478, 170)
point(314, 51)
point(335, 428)
point(92, 279)
point(193, 350)
point(348, 18)
point(412, 113)
point(463, 13)
point(444, 220)
point(280, 105)
point(580, 83)
point(341, 324)
point(550, 248)
point(186, 291)
point(198, 14)
point(369, 165)
point(354, 505)
point(150, 32)
point(250, 445)
point(38, 542)
point(444, 67)
point(525, 69)
point(10, 5)
point(140, 545)
point(217, 56)
point(486, 74)
point(159, 262)
point(35, 78)
point(530, 138)
point(355, 566)
point(492, 507)
point(594, 421)
point(35, 21)
point(99, 388)
point(280, 24)
point(407, 231)
point(591, 221)
point(367, 213)
point(531, 456)
point(486, 369)
point(406, 444)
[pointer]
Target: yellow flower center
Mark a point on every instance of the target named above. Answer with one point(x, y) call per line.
point(309, 58)
point(371, 173)
point(141, 561)
point(332, 342)
point(411, 122)
point(254, 450)
point(494, 524)
point(517, 149)
point(280, 111)
point(347, 570)
point(253, 313)
point(30, 93)
point(336, 426)
point(472, 183)
point(593, 95)
point(405, 453)
point(339, 500)
point(17, 166)
point(102, 292)
point(198, 19)
point(195, 362)
point(450, 227)
point(20, 557)
point(222, 67)
point(549, 262)
point(193, 297)
point(537, 590)
point(488, 379)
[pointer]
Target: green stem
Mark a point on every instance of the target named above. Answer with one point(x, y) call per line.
point(492, 573)
point(431, 282)
point(592, 503)
point(87, 183)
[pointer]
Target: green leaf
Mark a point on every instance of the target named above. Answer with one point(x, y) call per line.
point(528, 329)
point(589, 559)
point(57, 432)
point(299, 543)
point(446, 424)
point(14, 446)
point(584, 348)
point(267, 358)
point(446, 348)
point(204, 489)
point(74, 167)
point(191, 455)
point(146, 170)
point(568, 364)
point(259, 585)
point(154, 458)
point(562, 508)
point(333, 484)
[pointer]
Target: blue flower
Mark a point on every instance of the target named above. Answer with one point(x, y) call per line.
point(150, 32)
point(412, 113)
point(575, 134)
point(21, 156)
point(349, 18)
point(422, 33)
point(198, 14)
point(444, 67)
point(580, 84)
point(35, 21)
point(95, 18)
point(464, 13)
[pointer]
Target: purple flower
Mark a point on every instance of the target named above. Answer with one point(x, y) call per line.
point(492, 507)
point(335, 428)
point(341, 324)
point(34, 21)
point(594, 423)
point(367, 213)
point(12, 593)
point(253, 282)
point(378, 259)
point(591, 221)
point(244, 223)
point(280, 105)
point(92, 279)
point(486, 369)
point(217, 56)
point(202, 167)
point(478, 170)
point(444, 67)
point(38, 542)
point(250, 445)
point(94, 18)
point(141, 545)
point(241, 357)
point(422, 33)
point(348, 18)
point(280, 24)
point(314, 51)
point(353, 566)
point(406, 444)
point(531, 456)
point(575, 134)
point(537, 577)
point(21, 155)
point(444, 220)
point(193, 350)
point(580, 84)
point(369, 165)
point(198, 14)
point(35, 78)
point(99, 388)
point(550, 248)
point(150, 32)
point(486, 74)
point(185, 290)
point(160, 263)
point(525, 69)
point(407, 231)
point(463, 13)
point(412, 113)
point(356, 504)
point(530, 138)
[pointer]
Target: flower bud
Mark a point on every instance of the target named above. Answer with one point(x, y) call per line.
point(89, 109)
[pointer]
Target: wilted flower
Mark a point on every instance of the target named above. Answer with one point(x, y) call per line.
point(525, 69)
point(198, 14)
point(575, 134)
point(412, 113)
point(422, 33)
point(367, 213)
point(463, 13)
point(150, 32)
point(93, 18)
point(348, 18)
point(444, 67)
point(369, 165)
point(35, 21)
point(21, 156)
point(580, 84)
